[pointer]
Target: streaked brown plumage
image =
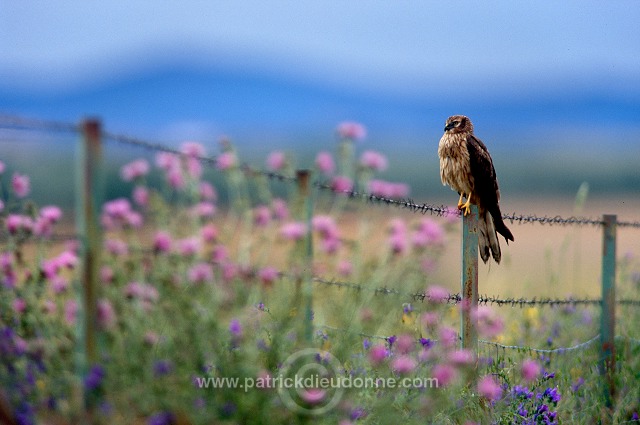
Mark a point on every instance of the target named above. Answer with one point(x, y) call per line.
point(466, 166)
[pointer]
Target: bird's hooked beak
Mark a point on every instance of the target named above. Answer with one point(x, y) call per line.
point(449, 126)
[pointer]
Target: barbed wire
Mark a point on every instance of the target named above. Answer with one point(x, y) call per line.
point(560, 350)
point(59, 237)
point(22, 123)
point(408, 204)
point(456, 298)
point(520, 348)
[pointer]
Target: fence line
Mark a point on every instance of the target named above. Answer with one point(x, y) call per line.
point(7, 121)
point(88, 177)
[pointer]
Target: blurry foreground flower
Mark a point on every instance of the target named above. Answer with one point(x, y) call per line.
point(373, 160)
point(530, 370)
point(325, 163)
point(293, 231)
point(21, 185)
point(351, 130)
point(489, 388)
point(276, 161)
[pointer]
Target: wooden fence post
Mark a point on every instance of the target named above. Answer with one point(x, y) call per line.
point(608, 315)
point(468, 321)
point(89, 193)
point(304, 177)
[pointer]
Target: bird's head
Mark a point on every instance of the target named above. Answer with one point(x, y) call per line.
point(458, 124)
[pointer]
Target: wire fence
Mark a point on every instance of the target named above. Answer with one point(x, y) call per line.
point(21, 123)
point(15, 122)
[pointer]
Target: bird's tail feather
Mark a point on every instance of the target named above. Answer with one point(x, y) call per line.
point(488, 239)
point(499, 225)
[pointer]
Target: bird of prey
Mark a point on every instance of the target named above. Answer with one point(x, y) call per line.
point(466, 166)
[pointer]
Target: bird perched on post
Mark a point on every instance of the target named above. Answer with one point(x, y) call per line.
point(466, 166)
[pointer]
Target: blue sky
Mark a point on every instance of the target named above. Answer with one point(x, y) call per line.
point(547, 62)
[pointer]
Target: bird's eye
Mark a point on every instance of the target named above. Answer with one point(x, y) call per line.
point(456, 123)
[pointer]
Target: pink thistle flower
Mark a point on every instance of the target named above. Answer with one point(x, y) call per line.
point(461, 357)
point(351, 130)
point(21, 185)
point(188, 247)
point(42, 227)
point(141, 196)
point(220, 254)
point(162, 242)
point(204, 209)
point(398, 243)
point(49, 307)
point(19, 223)
point(398, 226)
point(200, 273)
point(530, 370)
point(276, 161)
point(2, 167)
point(293, 230)
point(59, 284)
point(19, 306)
point(444, 374)
point(134, 290)
point(116, 247)
point(325, 163)
point(229, 272)
point(106, 274)
point(448, 337)
point(373, 160)
point(280, 209)
point(437, 294)
point(209, 233)
point(167, 161)
point(134, 219)
point(67, 259)
point(379, 188)
point(70, 312)
point(330, 245)
point(226, 161)
point(489, 323)
point(403, 364)
point(432, 231)
point(268, 275)
point(118, 208)
point(51, 213)
point(429, 319)
point(377, 354)
point(261, 215)
point(175, 178)
point(134, 170)
point(345, 268)
point(313, 395)
point(207, 192)
point(149, 293)
point(405, 344)
point(50, 268)
point(489, 388)
point(326, 226)
point(398, 190)
point(341, 184)
point(193, 149)
point(106, 314)
point(194, 168)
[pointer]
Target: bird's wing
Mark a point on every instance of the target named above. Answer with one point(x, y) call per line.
point(485, 184)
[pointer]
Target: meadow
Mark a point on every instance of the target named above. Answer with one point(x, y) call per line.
point(218, 311)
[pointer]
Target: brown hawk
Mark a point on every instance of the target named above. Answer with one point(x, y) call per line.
point(466, 166)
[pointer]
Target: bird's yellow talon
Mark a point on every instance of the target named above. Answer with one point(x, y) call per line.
point(460, 203)
point(466, 207)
